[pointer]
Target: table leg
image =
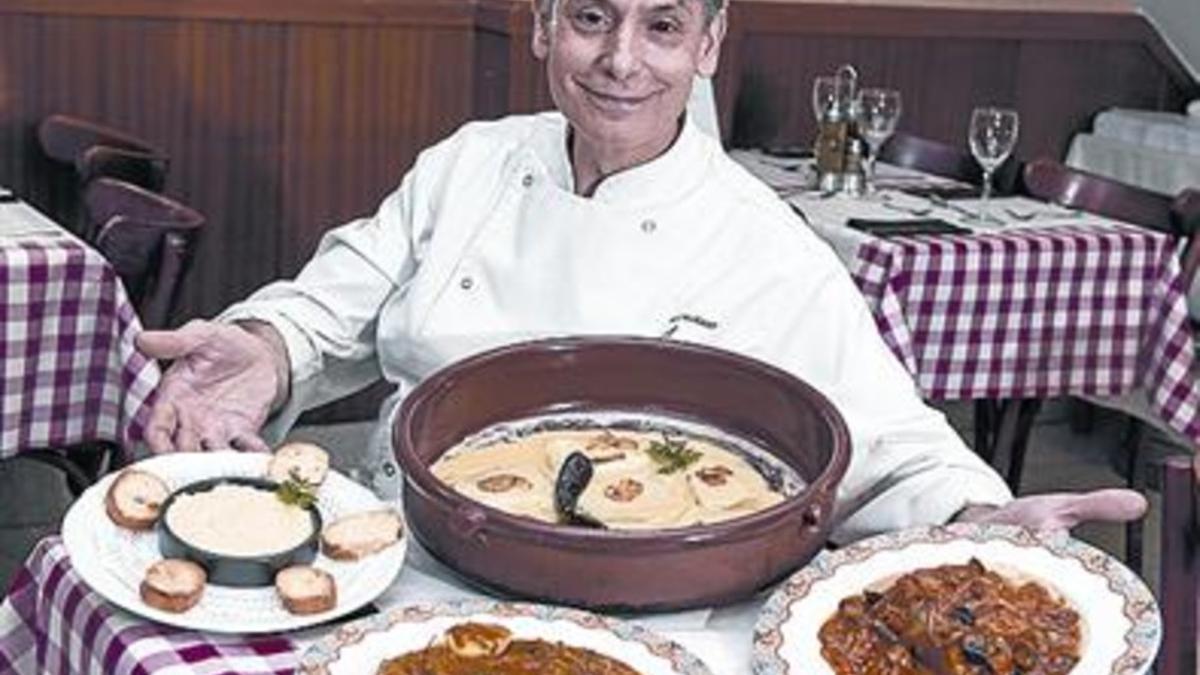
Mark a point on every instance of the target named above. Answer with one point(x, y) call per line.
point(1005, 437)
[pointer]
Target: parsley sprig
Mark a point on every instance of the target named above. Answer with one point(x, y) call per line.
point(296, 491)
point(672, 455)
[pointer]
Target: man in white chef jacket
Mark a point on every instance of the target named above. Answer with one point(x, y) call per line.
point(611, 215)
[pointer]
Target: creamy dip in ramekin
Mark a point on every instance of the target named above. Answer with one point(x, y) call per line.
point(238, 521)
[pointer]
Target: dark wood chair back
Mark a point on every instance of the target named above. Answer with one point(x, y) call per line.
point(945, 160)
point(1185, 214)
point(1179, 582)
point(81, 150)
point(931, 156)
point(149, 239)
point(95, 150)
point(1055, 182)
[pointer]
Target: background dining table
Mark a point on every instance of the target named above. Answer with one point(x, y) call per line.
point(1046, 302)
point(69, 372)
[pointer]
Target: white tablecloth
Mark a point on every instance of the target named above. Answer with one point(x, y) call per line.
point(1159, 170)
point(1160, 130)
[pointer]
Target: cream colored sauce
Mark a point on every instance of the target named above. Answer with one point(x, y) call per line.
point(238, 520)
point(627, 491)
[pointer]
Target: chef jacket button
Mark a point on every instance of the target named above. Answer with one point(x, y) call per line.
point(649, 226)
point(389, 469)
point(466, 283)
point(527, 180)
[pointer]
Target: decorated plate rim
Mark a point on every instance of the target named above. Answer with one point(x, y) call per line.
point(326, 651)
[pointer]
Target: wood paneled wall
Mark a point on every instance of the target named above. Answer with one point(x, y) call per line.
point(286, 118)
point(1058, 68)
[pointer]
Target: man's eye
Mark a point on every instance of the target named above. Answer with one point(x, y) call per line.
point(590, 19)
point(665, 26)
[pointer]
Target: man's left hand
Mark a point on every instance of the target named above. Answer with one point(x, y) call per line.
point(1061, 511)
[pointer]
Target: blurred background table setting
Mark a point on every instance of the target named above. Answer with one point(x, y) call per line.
point(1005, 300)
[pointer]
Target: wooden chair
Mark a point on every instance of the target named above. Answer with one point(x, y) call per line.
point(1054, 182)
point(90, 150)
point(945, 160)
point(1179, 580)
point(931, 156)
point(149, 239)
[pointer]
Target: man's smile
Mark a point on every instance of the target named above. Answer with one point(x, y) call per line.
point(616, 102)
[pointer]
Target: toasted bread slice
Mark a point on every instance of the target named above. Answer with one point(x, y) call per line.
point(357, 536)
point(305, 589)
point(307, 461)
point(173, 585)
point(135, 499)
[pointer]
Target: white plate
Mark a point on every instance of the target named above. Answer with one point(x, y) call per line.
point(112, 560)
point(360, 647)
point(1122, 627)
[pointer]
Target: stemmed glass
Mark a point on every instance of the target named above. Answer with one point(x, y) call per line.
point(992, 136)
point(878, 115)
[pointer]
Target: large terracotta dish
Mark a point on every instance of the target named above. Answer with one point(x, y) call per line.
point(621, 570)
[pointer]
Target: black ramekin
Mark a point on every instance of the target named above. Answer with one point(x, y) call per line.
point(226, 570)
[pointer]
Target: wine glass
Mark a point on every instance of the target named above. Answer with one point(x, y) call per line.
point(992, 136)
point(878, 114)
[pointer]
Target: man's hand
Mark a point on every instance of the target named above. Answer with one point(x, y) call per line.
point(1061, 511)
point(217, 394)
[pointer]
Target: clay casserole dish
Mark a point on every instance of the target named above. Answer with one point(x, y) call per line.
point(621, 570)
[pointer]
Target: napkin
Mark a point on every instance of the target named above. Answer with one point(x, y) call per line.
point(789, 152)
point(911, 226)
point(943, 191)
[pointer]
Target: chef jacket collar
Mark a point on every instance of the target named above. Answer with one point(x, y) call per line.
point(662, 180)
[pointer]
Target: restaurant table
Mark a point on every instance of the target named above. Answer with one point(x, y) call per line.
point(51, 623)
point(69, 372)
point(1048, 302)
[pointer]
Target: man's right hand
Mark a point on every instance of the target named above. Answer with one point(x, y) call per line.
point(220, 388)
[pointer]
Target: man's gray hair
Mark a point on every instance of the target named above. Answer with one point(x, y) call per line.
point(711, 7)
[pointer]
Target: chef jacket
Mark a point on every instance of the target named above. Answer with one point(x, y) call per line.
point(486, 243)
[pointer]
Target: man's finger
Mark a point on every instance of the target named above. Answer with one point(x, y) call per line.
point(170, 344)
point(214, 437)
point(1111, 505)
point(160, 428)
point(187, 436)
point(249, 442)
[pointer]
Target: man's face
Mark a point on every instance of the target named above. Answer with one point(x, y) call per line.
point(621, 70)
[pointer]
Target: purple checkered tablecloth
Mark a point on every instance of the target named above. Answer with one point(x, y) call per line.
point(69, 372)
point(52, 624)
point(1090, 308)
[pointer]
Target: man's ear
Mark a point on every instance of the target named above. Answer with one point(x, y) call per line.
point(541, 31)
point(710, 49)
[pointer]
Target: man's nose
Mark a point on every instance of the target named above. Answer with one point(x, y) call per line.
point(623, 53)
